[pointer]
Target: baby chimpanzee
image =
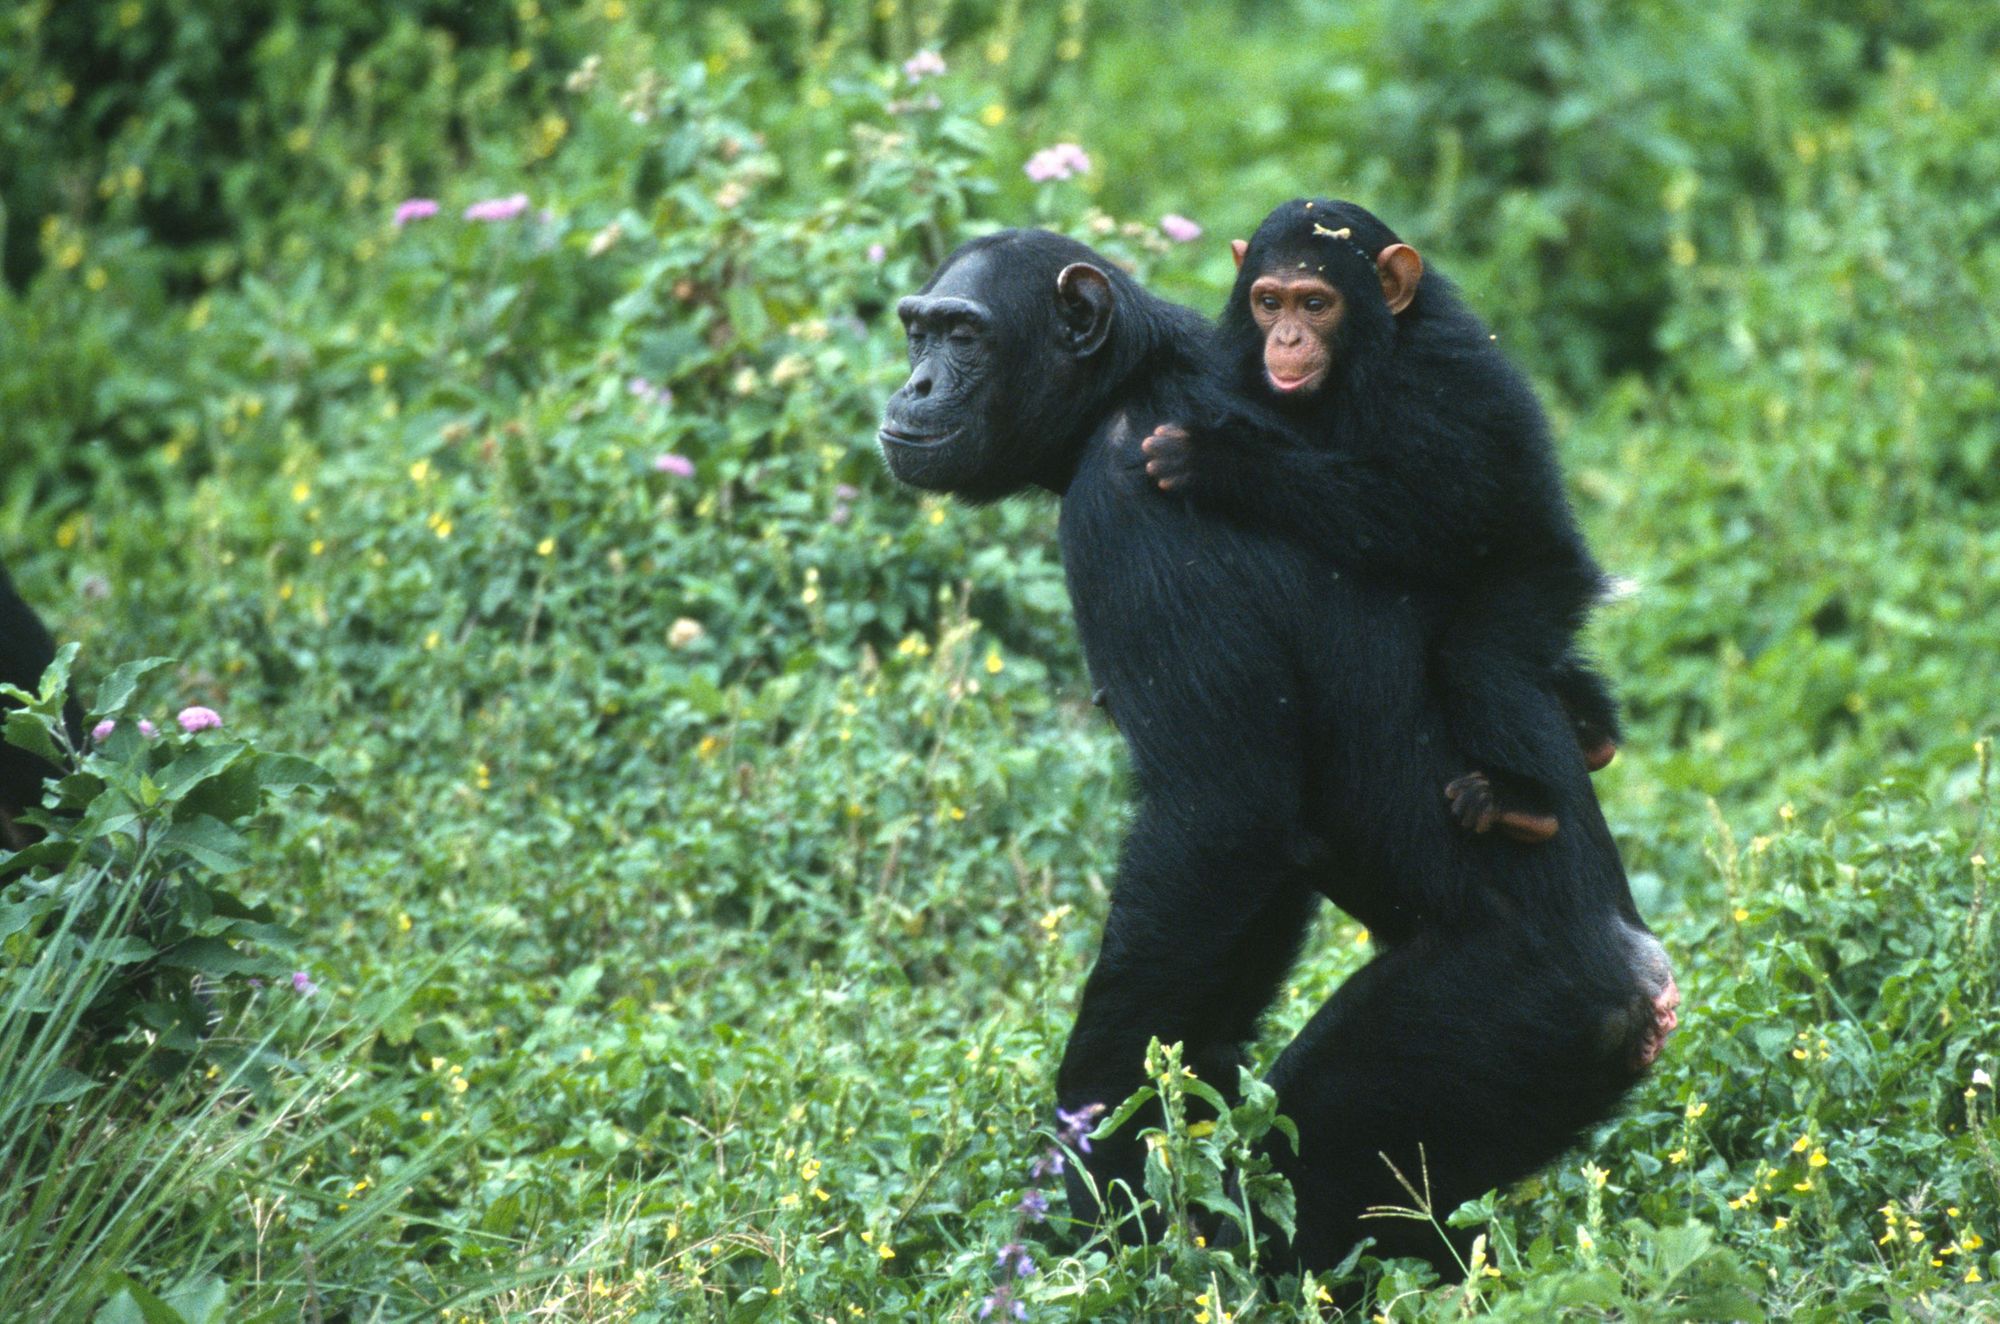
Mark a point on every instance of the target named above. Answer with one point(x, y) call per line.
point(1407, 448)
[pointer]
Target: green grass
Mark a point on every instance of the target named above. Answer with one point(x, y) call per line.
point(710, 863)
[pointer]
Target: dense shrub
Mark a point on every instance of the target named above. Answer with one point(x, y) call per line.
point(720, 832)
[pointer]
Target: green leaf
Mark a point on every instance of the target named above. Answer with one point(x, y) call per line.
point(116, 691)
point(209, 842)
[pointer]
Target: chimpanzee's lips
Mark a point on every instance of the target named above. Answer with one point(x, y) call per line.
point(889, 436)
point(1287, 385)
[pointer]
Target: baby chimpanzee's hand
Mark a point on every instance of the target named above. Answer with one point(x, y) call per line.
point(1169, 457)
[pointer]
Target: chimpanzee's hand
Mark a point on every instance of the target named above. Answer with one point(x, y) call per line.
point(1169, 458)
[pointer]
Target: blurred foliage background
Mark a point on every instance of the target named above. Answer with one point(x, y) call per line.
point(718, 833)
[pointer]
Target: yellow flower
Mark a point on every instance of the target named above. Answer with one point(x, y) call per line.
point(1818, 1159)
point(993, 116)
point(426, 1115)
point(1971, 1240)
point(1799, 1145)
point(706, 749)
point(886, 1251)
point(1780, 1223)
point(937, 515)
point(403, 922)
point(420, 471)
point(378, 373)
point(1696, 1109)
point(301, 493)
point(546, 547)
point(444, 528)
point(1678, 1156)
point(994, 662)
point(460, 1084)
point(1741, 914)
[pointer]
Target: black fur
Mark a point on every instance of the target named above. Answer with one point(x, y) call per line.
point(25, 653)
point(1259, 689)
point(1424, 459)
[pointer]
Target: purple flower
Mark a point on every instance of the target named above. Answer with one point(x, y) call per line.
point(1003, 1301)
point(839, 514)
point(1077, 1126)
point(498, 209)
point(302, 984)
point(102, 731)
point(876, 253)
point(1179, 228)
point(1014, 1257)
point(922, 65)
point(1057, 162)
point(1035, 1204)
point(198, 718)
point(845, 492)
point(416, 209)
point(641, 389)
point(1050, 1164)
point(680, 466)
point(147, 729)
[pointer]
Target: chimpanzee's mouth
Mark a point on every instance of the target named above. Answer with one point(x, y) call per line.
point(891, 436)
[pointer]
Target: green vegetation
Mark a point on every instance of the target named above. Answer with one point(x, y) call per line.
point(712, 835)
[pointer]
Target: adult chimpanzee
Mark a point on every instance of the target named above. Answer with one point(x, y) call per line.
point(1284, 746)
point(25, 653)
point(1420, 453)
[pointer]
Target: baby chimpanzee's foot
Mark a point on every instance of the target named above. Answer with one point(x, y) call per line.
point(1478, 809)
point(1598, 748)
point(1653, 1037)
point(1169, 457)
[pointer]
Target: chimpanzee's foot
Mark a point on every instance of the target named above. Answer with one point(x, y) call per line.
point(1478, 809)
point(1169, 456)
point(1653, 1037)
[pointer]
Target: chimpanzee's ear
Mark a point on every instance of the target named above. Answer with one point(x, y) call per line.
point(1084, 298)
point(1237, 248)
point(1400, 268)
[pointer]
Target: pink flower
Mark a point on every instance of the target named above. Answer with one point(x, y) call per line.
point(498, 209)
point(1058, 162)
point(680, 466)
point(102, 731)
point(302, 984)
point(923, 65)
point(641, 389)
point(147, 729)
point(198, 718)
point(416, 209)
point(1179, 228)
point(876, 253)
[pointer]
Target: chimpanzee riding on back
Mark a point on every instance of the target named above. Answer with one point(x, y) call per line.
point(1412, 451)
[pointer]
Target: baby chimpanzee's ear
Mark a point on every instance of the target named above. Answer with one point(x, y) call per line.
point(1237, 248)
point(1400, 268)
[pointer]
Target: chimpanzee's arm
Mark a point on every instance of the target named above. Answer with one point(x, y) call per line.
point(1397, 520)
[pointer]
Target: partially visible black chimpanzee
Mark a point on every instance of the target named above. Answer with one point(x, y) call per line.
point(1284, 746)
point(1421, 454)
point(25, 653)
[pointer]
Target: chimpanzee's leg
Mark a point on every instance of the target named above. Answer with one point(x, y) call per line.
point(1469, 1059)
point(1198, 937)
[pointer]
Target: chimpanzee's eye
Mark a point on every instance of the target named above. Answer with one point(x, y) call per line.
point(1269, 303)
point(1315, 304)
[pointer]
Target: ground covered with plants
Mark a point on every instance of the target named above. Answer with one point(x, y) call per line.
point(647, 859)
